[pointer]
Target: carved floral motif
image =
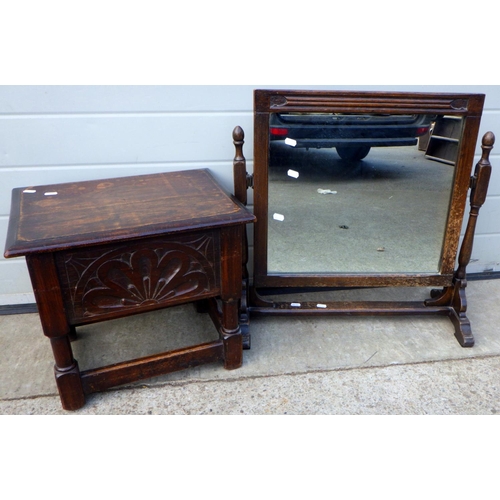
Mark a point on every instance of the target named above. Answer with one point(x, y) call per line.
point(140, 276)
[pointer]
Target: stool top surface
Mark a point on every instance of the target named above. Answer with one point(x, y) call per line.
point(62, 216)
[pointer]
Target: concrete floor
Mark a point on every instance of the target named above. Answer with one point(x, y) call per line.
point(398, 227)
point(301, 366)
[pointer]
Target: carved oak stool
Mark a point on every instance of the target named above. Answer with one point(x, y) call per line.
point(106, 249)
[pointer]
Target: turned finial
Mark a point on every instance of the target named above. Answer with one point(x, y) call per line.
point(239, 166)
point(487, 146)
point(238, 141)
point(489, 139)
point(238, 134)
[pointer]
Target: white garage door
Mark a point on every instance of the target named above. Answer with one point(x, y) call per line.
point(54, 134)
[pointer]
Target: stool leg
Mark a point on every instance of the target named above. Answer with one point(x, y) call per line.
point(231, 265)
point(67, 374)
point(45, 281)
point(231, 335)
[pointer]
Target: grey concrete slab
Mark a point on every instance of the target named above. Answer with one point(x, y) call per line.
point(465, 387)
point(378, 354)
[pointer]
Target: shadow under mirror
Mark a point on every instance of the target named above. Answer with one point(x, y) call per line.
point(359, 193)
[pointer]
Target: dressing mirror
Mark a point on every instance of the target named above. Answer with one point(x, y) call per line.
point(362, 190)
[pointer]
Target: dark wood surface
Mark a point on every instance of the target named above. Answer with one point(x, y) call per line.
point(332, 101)
point(100, 250)
point(87, 213)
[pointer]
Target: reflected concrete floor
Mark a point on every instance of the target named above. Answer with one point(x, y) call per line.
point(387, 214)
point(331, 365)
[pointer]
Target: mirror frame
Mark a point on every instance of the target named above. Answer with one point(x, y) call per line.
point(467, 106)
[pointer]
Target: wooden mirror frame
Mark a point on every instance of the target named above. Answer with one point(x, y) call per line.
point(450, 299)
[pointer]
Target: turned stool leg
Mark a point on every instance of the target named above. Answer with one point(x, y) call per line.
point(55, 325)
point(231, 335)
point(67, 374)
point(231, 265)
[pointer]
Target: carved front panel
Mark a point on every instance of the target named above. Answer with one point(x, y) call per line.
point(116, 279)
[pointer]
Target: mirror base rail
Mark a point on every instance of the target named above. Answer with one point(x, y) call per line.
point(451, 302)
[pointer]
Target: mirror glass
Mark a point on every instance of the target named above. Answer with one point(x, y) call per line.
point(359, 193)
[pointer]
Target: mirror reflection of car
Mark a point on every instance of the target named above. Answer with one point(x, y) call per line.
point(352, 135)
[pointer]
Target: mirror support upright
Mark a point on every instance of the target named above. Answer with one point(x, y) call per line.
point(242, 181)
point(454, 296)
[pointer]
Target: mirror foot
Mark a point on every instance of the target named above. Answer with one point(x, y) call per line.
point(458, 317)
point(453, 297)
point(463, 332)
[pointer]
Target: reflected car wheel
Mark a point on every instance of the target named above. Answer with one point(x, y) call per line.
point(353, 153)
